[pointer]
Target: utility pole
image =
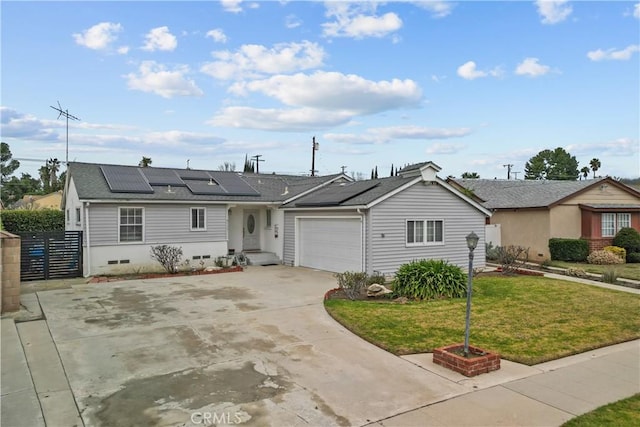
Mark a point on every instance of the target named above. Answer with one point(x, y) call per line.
point(65, 113)
point(508, 166)
point(314, 148)
point(343, 168)
point(256, 158)
point(515, 174)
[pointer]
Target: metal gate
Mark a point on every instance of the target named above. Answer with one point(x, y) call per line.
point(50, 255)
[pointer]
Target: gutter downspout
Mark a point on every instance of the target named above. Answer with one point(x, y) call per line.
point(87, 224)
point(364, 240)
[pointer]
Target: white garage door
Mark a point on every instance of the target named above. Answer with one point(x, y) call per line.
point(331, 244)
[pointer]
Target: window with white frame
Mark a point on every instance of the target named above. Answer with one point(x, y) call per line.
point(613, 222)
point(78, 216)
point(131, 224)
point(198, 219)
point(424, 232)
point(268, 218)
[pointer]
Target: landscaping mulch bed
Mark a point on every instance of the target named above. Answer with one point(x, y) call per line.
point(104, 279)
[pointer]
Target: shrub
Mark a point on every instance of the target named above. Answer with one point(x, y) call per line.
point(633, 258)
point(604, 258)
point(610, 276)
point(24, 221)
point(617, 251)
point(575, 250)
point(629, 239)
point(376, 278)
point(429, 279)
point(575, 272)
point(512, 258)
point(168, 256)
point(352, 283)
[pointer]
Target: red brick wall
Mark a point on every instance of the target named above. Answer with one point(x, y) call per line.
point(599, 243)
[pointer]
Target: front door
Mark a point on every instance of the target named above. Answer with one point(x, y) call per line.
point(250, 233)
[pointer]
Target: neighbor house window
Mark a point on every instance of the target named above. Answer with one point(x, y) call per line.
point(78, 216)
point(131, 224)
point(421, 232)
point(268, 218)
point(613, 222)
point(198, 219)
point(68, 217)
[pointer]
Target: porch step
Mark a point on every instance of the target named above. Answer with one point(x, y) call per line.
point(262, 258)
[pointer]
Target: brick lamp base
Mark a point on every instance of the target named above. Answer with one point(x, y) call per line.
point(480, 361)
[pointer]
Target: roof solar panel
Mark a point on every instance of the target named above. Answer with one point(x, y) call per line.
point(337, 194)
point(162, 177)
point(122, 179)
point(234, 184)
point(205, 188)
point(194, 174)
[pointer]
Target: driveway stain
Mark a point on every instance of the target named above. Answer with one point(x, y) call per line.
point(142, 402)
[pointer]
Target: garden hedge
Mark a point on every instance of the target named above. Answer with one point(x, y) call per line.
point(574, 250)
point(24, 221)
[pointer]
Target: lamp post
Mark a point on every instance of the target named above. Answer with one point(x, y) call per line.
point(472, 242)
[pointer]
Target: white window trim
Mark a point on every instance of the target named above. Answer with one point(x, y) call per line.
point(78, 216)
point(424, 232)
point(68, 216)
point(204, 225)
point(128, 242)
point(616, 222)
point(268, 219)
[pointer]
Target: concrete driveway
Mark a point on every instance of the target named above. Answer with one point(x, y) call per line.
point(250, 348)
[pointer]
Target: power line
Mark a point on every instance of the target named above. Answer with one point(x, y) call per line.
point(256, 158)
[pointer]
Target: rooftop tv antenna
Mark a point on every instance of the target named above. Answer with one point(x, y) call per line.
point(65, 114)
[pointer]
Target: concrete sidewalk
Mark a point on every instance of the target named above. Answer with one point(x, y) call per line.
point(549, 395)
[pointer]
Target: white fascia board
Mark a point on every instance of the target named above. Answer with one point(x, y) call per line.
point(324, 208)
point(169, 202)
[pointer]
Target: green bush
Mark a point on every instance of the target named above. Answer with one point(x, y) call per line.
point(25, 221)
point(491, 252)
point(573, 250)
point(429, 279)
point(633, 258)
point(376, 278)
point(629, 239)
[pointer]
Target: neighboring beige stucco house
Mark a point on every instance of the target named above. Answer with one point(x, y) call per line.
point(530, 212)
point(36, 202)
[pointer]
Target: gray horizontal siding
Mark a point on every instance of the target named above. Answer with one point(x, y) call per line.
point(422, 201)
point(162, 224)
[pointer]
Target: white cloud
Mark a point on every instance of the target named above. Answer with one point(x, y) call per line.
point(438, 9)
point(232, 6)
point(292, 21)
point(612, 54)
point(358, 20)
point(257, 60)
point(636, 10)
point(217, 35)
point(440, 148)
point(532, 68)
point(14, 124)
point(387, 135)
point(621, 147)
point(292, 120)
point(98, 37)
point(340, 92)
point(553, 11)
point(469, 71)
point(160, 39)
point(155, 78)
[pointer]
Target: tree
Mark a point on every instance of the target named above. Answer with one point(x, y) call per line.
point(585, 172)
point(15, 188)
point(391, 170)
point(248, 164)
point(547, 164)
point(227, 167)
point(470, 175)
point(595, 165)
point(145, 162)
point(45, 178)
point(54, 167)
point(7, 164)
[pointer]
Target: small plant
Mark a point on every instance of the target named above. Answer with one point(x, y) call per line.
point(616, 250)
point(604, 258)
point(429, 279)
point(576, 272)
point(546, 263)
point(491, 252)
point(352, 283)
point(610, 276)
point(219, 262)
point(168, 256)
point(512, 258)
point(376, 278)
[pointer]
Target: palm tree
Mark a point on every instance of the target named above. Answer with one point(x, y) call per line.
point(585, 172)
point(595, 165)
point(54, 167)
point(145, 162)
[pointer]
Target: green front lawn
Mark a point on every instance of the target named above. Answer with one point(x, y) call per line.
point(526, 319)
point(625, 412)
point(627, 271)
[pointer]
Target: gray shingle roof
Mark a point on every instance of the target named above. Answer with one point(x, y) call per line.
point(91, 185)
point(503, 193)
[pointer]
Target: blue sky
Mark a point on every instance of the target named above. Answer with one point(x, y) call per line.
point(471, 86)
